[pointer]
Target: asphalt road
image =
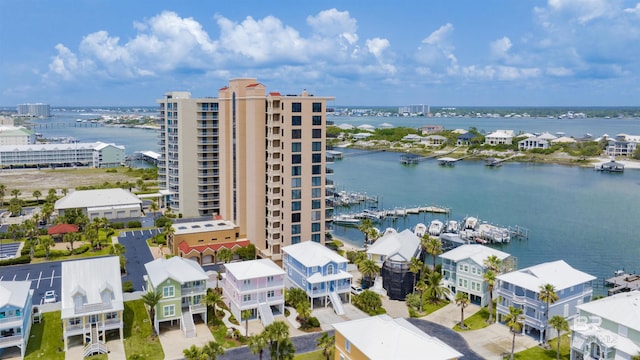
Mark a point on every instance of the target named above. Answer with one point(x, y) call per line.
point(137, 254)
point(446, 335)
point(303, 344)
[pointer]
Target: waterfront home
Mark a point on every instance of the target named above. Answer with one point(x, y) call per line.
point(608, 328)
point(382, 337)
point(393, 253)
point(15, 314)
point(521, 288)
point(201, 240)
point(182, 283)
point(361, 135)
point(499, 137)
point(412, 138)
point(102, 203)
point(622, 145)
point(320, 272)
point(533, 142)
point(466, 139)
point(463, 270)
point(254, 285)
point(431, 129)
point(92, 302)
point(433, 140)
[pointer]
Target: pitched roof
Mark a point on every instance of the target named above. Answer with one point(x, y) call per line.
point(177, 268)
point(310, 253)
point(14, 293)
point(396, 246)
point(475, 252)
point(622, 308)
point(381, 337)
point(557, 273)
point(97, 198)
point(253, 268)
point(62, 229)
point(90, 277)
point(186, 248)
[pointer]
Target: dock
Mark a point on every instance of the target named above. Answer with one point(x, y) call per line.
point(622, 282)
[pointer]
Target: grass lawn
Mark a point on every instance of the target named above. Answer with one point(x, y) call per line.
point(138, 333)
point(476, 321)
point(538, 353)
point(429, 307)
point(314, 355)
point(45, 340)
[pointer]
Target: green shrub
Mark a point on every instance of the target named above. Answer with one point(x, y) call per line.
point(160, 239)
point(162, 221)
point(40, 253)
point(81, 249)
point(247, 253)
point(313, 322)
point(127, 286)
point(26, 249)
point(117, 225)
point(24, 259)
point(134, 224)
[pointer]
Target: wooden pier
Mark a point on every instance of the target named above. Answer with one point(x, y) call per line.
point(61, 125)
point(622, 282)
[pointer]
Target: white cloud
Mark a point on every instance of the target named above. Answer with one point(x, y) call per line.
point(585, 10)
point(500, 48)
point(334, 24)
point(436, 51)
point(634, 10)
point(65, 63)
point(377, 45)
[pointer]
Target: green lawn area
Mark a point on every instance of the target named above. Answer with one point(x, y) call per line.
point(45, 340)
point(139, 341)
point(538, 353)
point(476, 321)
point(314, 355)
point(428, 307)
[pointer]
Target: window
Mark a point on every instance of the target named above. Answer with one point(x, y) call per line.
point(294, 240)
point(296, 134)
point(316, 169)
point(316, 215)
point(296, 107)
point(316, 204)
point(316, 146)
point(466, 268)
point(315, 227)
point(246, 297)
point(169, 310)
point(296, 147)
point(315, 238)
point(316, 107)
point(296, 120)
point(316, 181)
point(296, 159)
point(317, 120)
point(296, 182)
point(296, 170)
point(296, 194)
point(168, 292)
point(246, 282)
point(347, 345)
point(316, 192)
point(295, 217)
point(270, 278)
point(295, 229)
point(316, 158)
point(295, 205)
point(316, 133)
point(271, 293)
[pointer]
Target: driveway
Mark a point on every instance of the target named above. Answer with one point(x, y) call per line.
point(137, 254)
point(302, 343)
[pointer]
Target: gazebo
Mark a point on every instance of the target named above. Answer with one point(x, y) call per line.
point(61, 229)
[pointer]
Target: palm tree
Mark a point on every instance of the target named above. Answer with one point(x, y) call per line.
point(303, 308)
point(490, 277)
point(549, 296)
point(151, 298)
point(257, 343)
point(212, 349)
point(276, 332)
point(636, 357)
point(46, 242)
point(366, 227)
point(225, 255)
point(415, 267)
point(514, 321)
point(3, 193)
point(212, 299)
point(246, 314)
point(153, 207)
point(421, 286)
point(433, 246)
point(369, 270)
point(326, 343)
point(192, 353)
point(494, 263)
point(71, 238)
point(434, 289)
point(15, 193)
point(37, 194)
point(560, 324)
point(462, 300)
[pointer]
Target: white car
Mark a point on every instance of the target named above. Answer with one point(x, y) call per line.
point(49, 297)
point(356, 290)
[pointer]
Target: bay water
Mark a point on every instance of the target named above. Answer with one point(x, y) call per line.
point(587, 218)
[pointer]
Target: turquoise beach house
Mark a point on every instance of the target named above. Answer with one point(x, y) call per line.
point(15, 314)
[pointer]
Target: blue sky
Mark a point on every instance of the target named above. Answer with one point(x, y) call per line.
point(442, 53)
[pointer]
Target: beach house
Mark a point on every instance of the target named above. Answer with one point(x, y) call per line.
point(608, 328)
point(320, 272)
point(15, 314)
point(183, 285)
point(382, 337)
point(393, 252)
point(254, 285)
point(499, 137)
point(463, 270)
point(521, 288)
point(92, 302)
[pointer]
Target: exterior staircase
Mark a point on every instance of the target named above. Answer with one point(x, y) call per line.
point(187, 324)
point(94, 346)
point(336, 302)
point(266, 316)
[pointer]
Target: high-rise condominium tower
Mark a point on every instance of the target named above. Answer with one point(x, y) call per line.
point(253, 157)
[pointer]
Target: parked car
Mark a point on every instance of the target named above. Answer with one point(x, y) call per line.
point(355, 290)
point(49, 297)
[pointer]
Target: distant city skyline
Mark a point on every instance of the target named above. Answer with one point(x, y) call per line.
point(464, 53)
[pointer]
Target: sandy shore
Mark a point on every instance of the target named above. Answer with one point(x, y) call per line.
point(347, 246)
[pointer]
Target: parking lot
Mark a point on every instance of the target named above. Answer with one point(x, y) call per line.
point(44, 277)
point(137, 254)
point(9, 250)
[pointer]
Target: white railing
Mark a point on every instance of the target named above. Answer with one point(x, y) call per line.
point(337, 303)
point(188, 327)
point(10, 319)
point(94, 348)
point(11, 340)
point(266, 316)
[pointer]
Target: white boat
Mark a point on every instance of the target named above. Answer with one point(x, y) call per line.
point(420, 230)
point(452, 227)
point(435, 228)
point(470, 223)
point(345, 220)
point(494, 233)
point(372, 214)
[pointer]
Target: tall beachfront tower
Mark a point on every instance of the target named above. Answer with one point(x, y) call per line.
point(255, 158)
